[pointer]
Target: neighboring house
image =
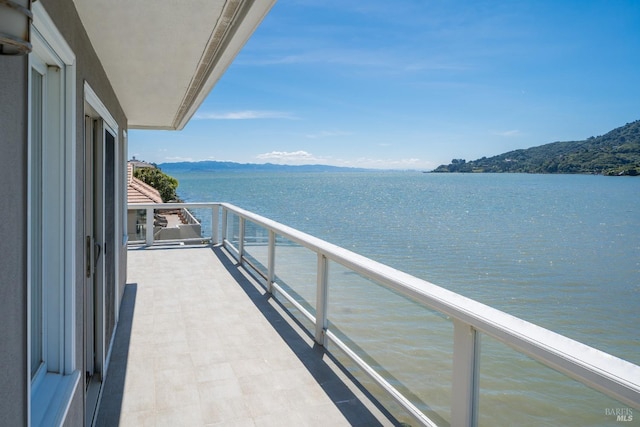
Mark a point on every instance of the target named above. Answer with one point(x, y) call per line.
point(169, 224)
point(138, 192)
point(97, 68)
point(137, 164)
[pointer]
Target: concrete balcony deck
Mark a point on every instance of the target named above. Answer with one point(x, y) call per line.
point(200, 343)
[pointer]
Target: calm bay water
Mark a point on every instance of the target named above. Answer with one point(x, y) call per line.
point(561, 251)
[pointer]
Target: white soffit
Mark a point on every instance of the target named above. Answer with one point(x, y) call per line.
point(163, 57)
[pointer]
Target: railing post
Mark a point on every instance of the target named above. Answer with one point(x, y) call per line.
point(466, 358)
point(271, 261)
point(225, 215)
point(322, 299)
point(214, 224)
point(240, 238)
point(149, 226)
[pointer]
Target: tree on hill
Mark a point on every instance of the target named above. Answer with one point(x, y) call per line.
point(165, 184)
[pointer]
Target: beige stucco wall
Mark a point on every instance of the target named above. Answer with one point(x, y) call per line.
point(13, 244)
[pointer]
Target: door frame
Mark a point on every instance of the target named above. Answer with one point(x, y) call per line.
point(98, 121)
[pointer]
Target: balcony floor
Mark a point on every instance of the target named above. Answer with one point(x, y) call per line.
point(199, 343)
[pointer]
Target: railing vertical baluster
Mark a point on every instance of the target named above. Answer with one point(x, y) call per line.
point(149, 225)
point(225, 215)
point(271, 261)
point(466, 358)
point(241, 224)
point(214, 224)
point(322, 293)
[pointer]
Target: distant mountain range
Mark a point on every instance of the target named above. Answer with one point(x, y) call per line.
point(209, 166)
point(615, 153)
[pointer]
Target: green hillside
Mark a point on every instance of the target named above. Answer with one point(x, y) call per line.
point(615, 153)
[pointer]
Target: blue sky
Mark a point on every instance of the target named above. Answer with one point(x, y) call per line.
point(411, 84)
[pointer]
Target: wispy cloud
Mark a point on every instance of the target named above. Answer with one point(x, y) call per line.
point(289, 157)
point(435, 66)
point(327, 134)
point(302, 157)
point(389, 162)
point(337, 56)
point(245, 115)
point(178, 159)
point(508, 133)
point(360, 57)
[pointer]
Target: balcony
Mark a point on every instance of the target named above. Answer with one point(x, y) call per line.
point(252, 326)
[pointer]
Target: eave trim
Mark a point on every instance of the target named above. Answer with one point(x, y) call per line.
point(236, 14)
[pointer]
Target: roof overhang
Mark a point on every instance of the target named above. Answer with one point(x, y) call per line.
point(163, 58)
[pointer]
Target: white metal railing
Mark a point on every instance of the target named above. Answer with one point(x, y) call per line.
point(150, 208)
point(601, 371)
point(188, 216)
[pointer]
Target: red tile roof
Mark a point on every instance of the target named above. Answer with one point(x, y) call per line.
point(138, 191)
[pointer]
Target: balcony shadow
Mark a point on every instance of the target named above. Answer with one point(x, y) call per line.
point(110, 406)
point(313, 357)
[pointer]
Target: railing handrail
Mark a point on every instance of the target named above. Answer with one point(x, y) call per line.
point(597, 369)
point(132, 206)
